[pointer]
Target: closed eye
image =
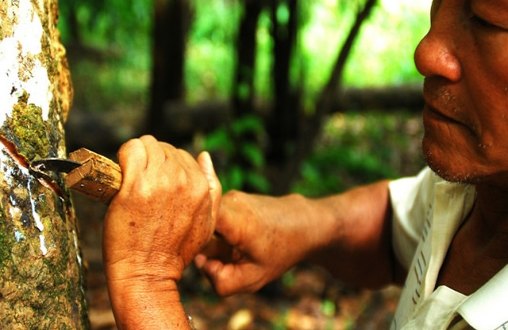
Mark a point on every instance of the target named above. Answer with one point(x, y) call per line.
point(480, 22)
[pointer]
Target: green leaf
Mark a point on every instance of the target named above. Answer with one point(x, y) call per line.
point(218, 140)
point(247, 124)
point(258, 181)
point(254, 154)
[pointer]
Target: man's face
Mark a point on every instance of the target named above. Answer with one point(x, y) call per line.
point(464, 59)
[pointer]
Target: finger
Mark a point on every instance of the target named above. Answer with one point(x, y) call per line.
point(218, 248)
point(188, 161)
point(229, 279)
point(155, 153)
point(200, 260)
point(182, 167)
point(132, 159)
point(206, 164)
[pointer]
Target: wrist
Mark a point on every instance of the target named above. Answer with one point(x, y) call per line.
point(146, 304)
point(144, 286)
point(315, 223)
point(140, 268)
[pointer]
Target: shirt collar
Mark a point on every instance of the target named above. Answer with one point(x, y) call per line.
point(487, 307)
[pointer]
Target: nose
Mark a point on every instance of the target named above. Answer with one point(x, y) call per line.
point(434, 57)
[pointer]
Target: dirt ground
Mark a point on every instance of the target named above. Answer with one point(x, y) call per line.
point(307, 298)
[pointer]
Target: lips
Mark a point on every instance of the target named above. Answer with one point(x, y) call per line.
point(433, 112)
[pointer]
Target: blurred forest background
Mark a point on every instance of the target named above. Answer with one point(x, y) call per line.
point(309, 96)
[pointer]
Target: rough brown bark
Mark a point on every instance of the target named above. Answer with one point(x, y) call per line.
point(41, 280)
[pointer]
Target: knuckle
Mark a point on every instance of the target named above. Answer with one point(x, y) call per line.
point(234, 195)
point(129, 147)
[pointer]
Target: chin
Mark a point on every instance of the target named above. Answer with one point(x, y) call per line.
point(456, 164)
point(446, 167)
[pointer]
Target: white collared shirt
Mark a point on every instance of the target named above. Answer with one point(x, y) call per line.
point(427, 211)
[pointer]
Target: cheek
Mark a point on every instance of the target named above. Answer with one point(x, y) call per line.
point(495, 148)
point(489, 65)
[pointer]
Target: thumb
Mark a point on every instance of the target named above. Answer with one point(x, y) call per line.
point(214, 186)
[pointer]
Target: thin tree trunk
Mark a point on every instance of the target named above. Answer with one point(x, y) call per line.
point(243, 88)
point(171, 25)
point(41, 279)
point(284, 118)
point(325, 102)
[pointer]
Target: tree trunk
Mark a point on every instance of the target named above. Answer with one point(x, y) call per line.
point(243, 88)
point(41, 279)
point(171, 25)
point(326, 99)
point(284, 118)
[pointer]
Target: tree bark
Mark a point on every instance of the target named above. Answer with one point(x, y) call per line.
point(246, 45)
point(243, 88)
point(171, 25)
point(325, 102)
point(41, 278)
point(283, 124)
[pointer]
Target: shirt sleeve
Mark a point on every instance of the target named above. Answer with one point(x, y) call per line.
point(411, 199)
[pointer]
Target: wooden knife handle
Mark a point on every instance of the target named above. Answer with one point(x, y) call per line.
point(98, 177)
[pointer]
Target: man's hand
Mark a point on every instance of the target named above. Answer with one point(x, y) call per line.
point(268, 235)
point(160, 219)
point(348, 234)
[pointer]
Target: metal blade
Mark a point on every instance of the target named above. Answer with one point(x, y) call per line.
point(54, 165)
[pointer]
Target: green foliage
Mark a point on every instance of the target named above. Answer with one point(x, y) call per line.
point(211, 49)
point(112, 24)
point(384, 55)
point(109, 52)
point(222, 143)
point(104, 87)
point(121, 29)
point(323, 27)
point(328, 307)
point(357, 149)
point(282, 13)
point(392, 32)
point(263, 67)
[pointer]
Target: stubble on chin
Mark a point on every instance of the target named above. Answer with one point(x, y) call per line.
point(444, 167)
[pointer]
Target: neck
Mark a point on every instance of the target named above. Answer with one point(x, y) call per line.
point(493, 201)
point(489, 218)
point(480, 247)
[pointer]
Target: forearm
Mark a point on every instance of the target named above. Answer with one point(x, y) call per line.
point(147, 305)
point(349, 234)
point(355, 242)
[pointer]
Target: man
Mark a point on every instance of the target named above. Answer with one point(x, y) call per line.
point(446, 235)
